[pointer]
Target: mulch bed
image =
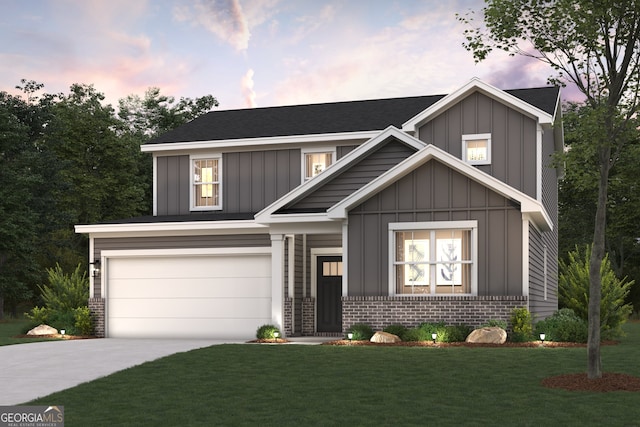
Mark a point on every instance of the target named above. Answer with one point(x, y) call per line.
point(58, 336)
point(549, 344)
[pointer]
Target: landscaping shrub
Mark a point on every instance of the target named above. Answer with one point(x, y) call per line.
point(83, 323)
point(65, 293)
point(63, 320)
point(573, 292)
point(361, 331)
point(492, 323)
point(265, 332)
point(396, 329)
point(415, 334)
point(521, 325)
point(456, 333)
point(38, 315)
point(563, 325)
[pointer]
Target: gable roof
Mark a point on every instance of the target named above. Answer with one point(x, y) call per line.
point(270, 213)
point(528, 205)
point(537, 103)
point(333, 118)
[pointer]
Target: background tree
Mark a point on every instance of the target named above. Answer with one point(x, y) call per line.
point(578, 194)
point(145, 118)
point(596, 46)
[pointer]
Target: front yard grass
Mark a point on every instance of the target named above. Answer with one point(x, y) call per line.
point(275, 385)
point(10, 328)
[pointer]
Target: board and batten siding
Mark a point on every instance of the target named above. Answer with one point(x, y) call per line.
point(355, 177)
point(434, 192)
point(251, 180)
point(175, 242)
point(513, 138)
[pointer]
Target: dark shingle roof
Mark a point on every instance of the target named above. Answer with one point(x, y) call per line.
point(335, 117)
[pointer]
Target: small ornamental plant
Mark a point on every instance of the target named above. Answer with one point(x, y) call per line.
point(361, 332)
point(267, 332)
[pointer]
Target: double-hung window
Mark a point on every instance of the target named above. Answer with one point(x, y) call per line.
point(206, 176)
point(316, 161)
point(433, 258)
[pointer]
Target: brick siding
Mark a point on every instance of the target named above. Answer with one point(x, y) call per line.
point(288, 317)
point(381, 311)
point(96, 307)
point(308, 316)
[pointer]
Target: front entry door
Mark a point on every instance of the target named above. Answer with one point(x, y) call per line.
point(329, 286)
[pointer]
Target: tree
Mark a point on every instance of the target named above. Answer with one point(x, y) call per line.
point(155, 114)
point(596, 46)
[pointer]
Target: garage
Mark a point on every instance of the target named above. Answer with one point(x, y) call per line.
point(196, 295)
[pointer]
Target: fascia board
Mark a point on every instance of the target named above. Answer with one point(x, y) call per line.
point(264, 215)
point(527, 204)
point(257, 142)
point(476, 84)
point(173, 228)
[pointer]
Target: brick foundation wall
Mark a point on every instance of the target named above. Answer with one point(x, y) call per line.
point(381, 311)
point(96, 307)
point(308, 316)
point(288, 317)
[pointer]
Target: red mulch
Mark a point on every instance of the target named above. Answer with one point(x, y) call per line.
point(573, 382)
point(59, 336)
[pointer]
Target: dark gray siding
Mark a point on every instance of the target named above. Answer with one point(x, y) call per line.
point(538, 304)
point(513, 138)
point(433, 192)
point(176, 242)
point(343, 150)
point(251, 180)
point(355, 177)
point(173, 185)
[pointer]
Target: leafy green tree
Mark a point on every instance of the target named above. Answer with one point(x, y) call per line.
point(596, 46)
point(573, 291)
point(154, 114)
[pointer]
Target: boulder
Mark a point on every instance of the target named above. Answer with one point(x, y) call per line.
point(385, 337)
point(43, 330)
point(489, 335)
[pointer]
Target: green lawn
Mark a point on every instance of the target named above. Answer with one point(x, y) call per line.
point(11, 327)
point(274, 385)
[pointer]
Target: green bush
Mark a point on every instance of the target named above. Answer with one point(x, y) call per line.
point(64, 320)
point(492, 323)
point(38, 315)
point(396, 329)
point(563, 325)
point(456, 333)
point(266, 332)
point(361, 332)
point(521, 325)
point(415, 334)
point(83, 323)
point(573, 292)
point(64, 293)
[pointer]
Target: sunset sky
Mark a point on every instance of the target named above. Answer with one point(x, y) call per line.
point(250, 53)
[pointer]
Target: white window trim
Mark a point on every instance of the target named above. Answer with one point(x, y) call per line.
point(305, 151)
point(475, 136)
point(433, 225)
point(192, 204)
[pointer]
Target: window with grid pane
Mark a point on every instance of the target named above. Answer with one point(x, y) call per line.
point(206, 183)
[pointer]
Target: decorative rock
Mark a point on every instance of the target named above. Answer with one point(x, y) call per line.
point(43, 330)
point(385, 337)
point(490, 335)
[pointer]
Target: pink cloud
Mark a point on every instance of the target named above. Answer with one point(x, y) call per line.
point(246, 83)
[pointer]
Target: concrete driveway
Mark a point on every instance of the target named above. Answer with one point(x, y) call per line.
point(29, 371)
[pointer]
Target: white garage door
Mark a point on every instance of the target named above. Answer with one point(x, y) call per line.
point(212, 296)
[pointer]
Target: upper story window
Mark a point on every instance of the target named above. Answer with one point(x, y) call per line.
point(433, 258)
point(476, 149)
point(206, 175)
point(316, 161)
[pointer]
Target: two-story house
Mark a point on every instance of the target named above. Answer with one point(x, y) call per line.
point(316, 217)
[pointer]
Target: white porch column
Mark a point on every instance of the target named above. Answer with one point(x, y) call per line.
point(277, 281)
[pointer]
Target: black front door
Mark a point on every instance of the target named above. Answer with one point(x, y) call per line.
point(329, 304)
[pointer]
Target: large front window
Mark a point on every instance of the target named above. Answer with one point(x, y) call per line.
point(206, 183)
point(436, 259)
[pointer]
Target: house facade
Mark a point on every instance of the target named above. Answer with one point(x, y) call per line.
point(317, 217)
